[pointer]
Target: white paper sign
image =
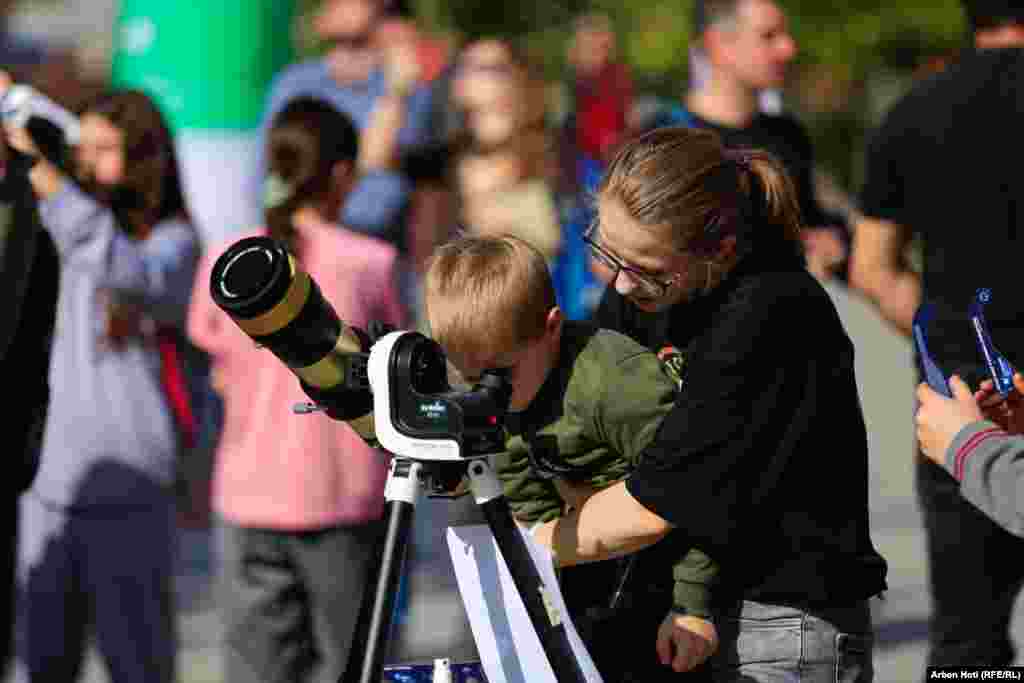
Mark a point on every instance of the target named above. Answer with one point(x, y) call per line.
point(510, 650)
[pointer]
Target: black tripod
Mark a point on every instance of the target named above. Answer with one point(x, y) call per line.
point(405, 480)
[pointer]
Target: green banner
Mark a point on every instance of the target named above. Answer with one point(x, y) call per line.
point(208, 63)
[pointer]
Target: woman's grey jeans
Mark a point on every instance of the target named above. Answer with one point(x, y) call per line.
point(762, 643)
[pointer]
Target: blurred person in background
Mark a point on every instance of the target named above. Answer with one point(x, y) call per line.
point(498, 166)
point(119, 404)
point(504, 166)
point(398, 28)
point(352, 76)
point(943, 167)
point(748, 50)
point(301, 497)
point(600, 117)
point(432, 61)
point(29, 276)
point(53, 69)
point(602, 88)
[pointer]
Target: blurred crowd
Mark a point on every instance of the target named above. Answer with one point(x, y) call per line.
point(387, 145)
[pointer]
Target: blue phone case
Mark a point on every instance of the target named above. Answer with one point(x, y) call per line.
point(932, 373)
point(999, 369)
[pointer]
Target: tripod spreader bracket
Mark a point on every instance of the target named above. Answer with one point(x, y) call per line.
point(484, 482)
point(404, 481)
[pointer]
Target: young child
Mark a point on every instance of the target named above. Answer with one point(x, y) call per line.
point(300, 498)
point(585, 403)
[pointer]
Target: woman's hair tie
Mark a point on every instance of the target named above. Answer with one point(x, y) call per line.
point(276, 191)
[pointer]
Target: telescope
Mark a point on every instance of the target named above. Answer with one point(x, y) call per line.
point(392, 387)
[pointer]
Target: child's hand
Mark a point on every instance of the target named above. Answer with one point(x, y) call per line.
point(685, 641)
point(940, 419)
point(1007, 412)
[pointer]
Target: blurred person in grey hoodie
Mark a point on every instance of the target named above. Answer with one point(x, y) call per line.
point(97, 525)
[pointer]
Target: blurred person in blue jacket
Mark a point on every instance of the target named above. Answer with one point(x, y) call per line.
point(351, 76)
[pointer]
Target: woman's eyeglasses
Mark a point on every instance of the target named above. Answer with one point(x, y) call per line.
point(650, 286)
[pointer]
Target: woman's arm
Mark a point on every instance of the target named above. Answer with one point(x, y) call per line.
point(609, 524)
point(381, 192)
point(156, 273)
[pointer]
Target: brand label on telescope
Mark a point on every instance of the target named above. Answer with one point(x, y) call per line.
point(434, 411)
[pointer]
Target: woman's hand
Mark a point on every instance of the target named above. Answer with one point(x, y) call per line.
point(940, 419)
point(685, 641)
point(19, 139)
point(1007, 412)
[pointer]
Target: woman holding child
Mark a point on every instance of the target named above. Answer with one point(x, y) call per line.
point(700, 248)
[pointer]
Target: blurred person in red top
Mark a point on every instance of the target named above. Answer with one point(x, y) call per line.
point(602, 87)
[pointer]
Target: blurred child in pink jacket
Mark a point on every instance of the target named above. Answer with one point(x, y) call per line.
point(301, 497)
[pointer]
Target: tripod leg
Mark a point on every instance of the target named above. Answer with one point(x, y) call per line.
point(547, 622)
point(401, 493)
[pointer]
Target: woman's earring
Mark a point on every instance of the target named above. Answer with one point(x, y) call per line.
point(707, 281)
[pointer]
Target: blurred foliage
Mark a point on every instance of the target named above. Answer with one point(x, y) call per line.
point(855, 55)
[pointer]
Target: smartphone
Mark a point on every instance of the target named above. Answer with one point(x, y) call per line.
point(932, 372)
point(999, 369)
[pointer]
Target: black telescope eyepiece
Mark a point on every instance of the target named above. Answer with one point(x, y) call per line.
point(497, 385)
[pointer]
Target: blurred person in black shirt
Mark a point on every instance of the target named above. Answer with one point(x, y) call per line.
point(944, 167)
point(747, 48)
point(29, 275)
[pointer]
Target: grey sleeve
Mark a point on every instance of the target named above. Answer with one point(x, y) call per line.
point(157, 272)
point(989, 463)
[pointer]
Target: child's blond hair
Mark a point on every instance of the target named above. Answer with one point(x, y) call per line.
point(486, 296)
